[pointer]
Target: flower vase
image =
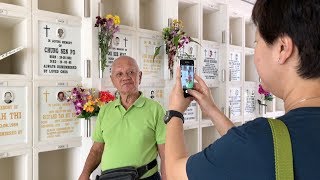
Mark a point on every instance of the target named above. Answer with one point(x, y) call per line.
point(100, 69)
point(87, 127)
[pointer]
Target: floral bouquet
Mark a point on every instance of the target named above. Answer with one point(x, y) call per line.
point(87, 102)
point(267, 95)
point(175, 38)
point(107, 26)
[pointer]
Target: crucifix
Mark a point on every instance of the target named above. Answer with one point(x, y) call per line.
point(46, 28)
point(125, 41)
point(46, 94)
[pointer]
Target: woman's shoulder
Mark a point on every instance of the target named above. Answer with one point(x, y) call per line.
point(257, 125)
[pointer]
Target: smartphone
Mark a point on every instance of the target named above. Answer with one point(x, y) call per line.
point(187, 75)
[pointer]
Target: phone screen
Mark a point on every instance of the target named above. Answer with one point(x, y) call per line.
point(187, 75)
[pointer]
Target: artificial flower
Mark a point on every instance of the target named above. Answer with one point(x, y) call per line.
point(107, 27)
point(87, 102)
point(174, 38)
point(267, 95)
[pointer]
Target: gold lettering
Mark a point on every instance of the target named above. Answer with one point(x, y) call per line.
point(15, 115)
point(5, 107)
point(3, 116)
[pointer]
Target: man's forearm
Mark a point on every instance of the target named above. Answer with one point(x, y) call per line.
point(92, 162)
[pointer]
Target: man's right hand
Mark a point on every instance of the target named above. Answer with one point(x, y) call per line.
point(93, 160)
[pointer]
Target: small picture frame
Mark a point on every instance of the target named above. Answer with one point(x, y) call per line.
point(152, 96)
point(61, 96)
point(8, 97)
point(60, 33)
point(116, 41)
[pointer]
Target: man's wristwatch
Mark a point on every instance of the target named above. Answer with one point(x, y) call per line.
point(172, 113)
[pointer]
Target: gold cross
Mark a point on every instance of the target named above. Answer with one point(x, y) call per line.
point(46, 93)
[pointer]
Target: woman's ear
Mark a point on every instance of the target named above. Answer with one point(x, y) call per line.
point(286, 49)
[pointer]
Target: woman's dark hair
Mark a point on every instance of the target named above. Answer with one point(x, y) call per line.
point(300, 20)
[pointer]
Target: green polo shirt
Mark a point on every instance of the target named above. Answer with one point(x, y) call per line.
point(130, 136)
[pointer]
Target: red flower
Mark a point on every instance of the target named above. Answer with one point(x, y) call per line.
point(106, 96)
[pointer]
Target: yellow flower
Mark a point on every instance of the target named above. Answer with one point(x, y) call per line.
point(90, 109)
point(109, 16)
point(176, 23)
point(90, 103)
point(116, 20)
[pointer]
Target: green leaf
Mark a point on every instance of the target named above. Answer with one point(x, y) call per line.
point(157, 52)
point(176, 40)
point(191, 40)
point(268, 98)
point(80, 116)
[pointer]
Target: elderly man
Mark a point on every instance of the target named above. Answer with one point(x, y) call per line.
point(130, 130)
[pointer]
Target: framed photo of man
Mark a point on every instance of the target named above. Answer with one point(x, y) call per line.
point(8, 97)
point(61, 96)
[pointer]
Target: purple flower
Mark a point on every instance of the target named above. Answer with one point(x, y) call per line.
point(78, 103)
point(262, 91)
point(78, 111)
point(267, 95)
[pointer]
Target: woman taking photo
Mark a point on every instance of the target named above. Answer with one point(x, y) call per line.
point(287, 58)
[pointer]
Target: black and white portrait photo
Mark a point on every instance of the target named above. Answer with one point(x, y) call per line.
point(8, 97)
point(116, 41)
point(60, 33)
point(152, 94)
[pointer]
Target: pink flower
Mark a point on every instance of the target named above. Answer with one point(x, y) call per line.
point(262, 91)
point(267, 95)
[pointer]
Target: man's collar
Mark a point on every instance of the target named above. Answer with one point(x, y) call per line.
point(138, 103)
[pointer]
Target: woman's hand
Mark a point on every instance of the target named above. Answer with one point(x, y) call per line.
point(202, 94)
point(177, 101)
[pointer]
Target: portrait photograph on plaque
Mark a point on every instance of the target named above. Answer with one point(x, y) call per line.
point(8, 97)
point(121, 46)
point(57, 119)
point(156, 94)
point(14, 115)
point(59, 49)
